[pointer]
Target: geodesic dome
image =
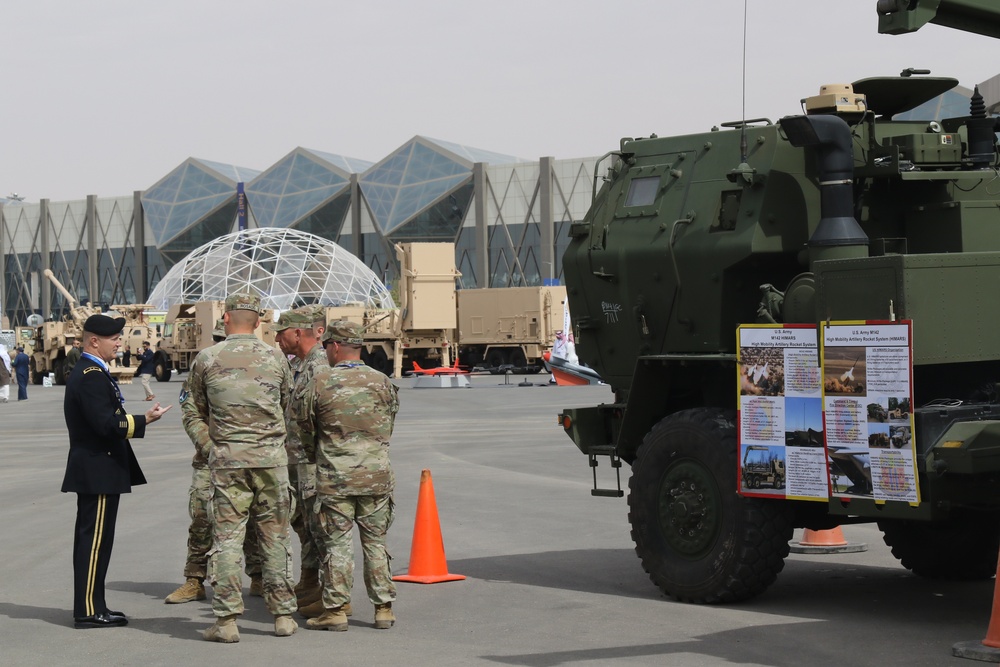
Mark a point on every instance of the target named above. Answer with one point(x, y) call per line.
point(286, 267)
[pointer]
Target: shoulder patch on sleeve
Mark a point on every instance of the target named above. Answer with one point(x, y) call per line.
point(88, 369)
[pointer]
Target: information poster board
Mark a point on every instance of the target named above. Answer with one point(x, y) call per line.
point(780, 420)
point(867, 403)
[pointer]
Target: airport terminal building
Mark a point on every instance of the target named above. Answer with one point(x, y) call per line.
point(507, 216)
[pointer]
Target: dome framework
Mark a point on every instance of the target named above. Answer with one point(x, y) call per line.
point(285, 267)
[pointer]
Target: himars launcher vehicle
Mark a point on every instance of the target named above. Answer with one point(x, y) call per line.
point(842, 213)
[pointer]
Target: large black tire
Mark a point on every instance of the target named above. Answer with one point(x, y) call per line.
point(963, 549)
point(161, 368)
point(379, 360)
point(36, 376)
point(495, 358)
point(698, 539)
point(59, 368)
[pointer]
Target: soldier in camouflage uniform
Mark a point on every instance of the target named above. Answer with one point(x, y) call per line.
point(349, 415)
point(296, 334)
point(200, 531)
point(234, 413)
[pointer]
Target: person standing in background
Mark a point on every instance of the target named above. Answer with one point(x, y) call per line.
point(72, 357)
point(147, 364)
point(127, 357)
point(5, 373)
point(20, 366)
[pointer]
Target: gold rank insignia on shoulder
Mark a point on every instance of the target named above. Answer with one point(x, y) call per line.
point(91, 368)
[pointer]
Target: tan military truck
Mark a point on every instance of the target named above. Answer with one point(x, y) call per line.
point(496, 328)
point(52, 340)
point(187, 330)
point(762, 468)
point(427, 319)
point(512, 327)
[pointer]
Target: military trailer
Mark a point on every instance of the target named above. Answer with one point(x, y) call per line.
point(508, 327)
point(844, 213)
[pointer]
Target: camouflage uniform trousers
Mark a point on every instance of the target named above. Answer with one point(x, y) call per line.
point(200, 531)
point(241, 493)
point(336, 516)
point(302, 478)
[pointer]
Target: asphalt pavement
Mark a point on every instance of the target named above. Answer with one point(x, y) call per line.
point(552, 578)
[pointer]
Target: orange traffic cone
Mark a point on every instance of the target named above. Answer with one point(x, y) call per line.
point(427, 562)
point(993, 631)
point(825, 542)
point(987, 650)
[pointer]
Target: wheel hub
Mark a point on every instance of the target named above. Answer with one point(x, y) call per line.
point(689, 508)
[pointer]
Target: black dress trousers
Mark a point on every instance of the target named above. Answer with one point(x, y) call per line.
point(92, 542)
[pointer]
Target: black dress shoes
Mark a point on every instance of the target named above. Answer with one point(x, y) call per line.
point(105, 620)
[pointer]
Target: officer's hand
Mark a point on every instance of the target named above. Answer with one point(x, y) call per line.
point(155, 413)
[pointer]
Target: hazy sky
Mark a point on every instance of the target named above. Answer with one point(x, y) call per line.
point(106, 97)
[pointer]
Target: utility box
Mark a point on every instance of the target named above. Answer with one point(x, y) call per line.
point(945, 295)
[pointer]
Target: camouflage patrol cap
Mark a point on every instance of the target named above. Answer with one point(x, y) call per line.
point(243, 301)
point(220, 329)
point(315, 312)
point(293, 319)
point(343, 331)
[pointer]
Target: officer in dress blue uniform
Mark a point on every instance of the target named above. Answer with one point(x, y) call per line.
point(101, 465)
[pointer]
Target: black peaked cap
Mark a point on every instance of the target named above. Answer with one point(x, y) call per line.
point(104, 325)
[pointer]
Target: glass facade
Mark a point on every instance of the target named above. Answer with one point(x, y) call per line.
point(420, 175)
point(188, 195)
point(488, 204)
point(306, 189)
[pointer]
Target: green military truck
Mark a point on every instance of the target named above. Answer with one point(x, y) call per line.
point(842, 213)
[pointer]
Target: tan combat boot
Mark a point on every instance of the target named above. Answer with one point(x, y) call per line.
point(190, 590)
point(332, 619)
point(309, 595)
point(316, 609)
point(285, 626)
point(224, 630)
point(308, 581)
point(257, 585)
point(384, 618)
